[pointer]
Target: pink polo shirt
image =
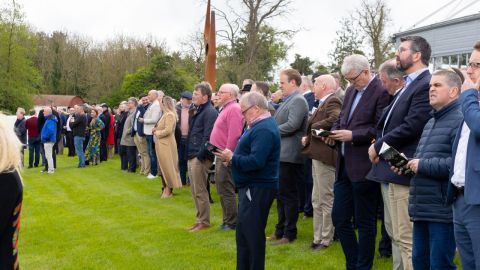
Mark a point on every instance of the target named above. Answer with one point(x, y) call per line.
point(228, 127)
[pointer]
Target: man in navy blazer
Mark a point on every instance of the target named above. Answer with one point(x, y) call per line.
point(401, 126)
point(354, 131)
point(465, 175)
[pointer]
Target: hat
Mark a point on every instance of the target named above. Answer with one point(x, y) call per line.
point(186, 94)
point(246, 88)
point(104, 105)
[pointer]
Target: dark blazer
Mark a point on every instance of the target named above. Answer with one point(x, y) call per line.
point(404, 127)
point(363, 126)
point(310, 98)
point(142, 109)
point(323, 118)
point(471, 115)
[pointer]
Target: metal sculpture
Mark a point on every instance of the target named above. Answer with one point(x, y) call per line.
point(210, 48)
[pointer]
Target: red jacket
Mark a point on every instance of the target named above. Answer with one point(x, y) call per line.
point(111, 132)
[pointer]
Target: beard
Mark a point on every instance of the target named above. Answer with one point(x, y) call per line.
point(405, 64)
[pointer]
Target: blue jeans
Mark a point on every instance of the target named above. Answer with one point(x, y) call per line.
point(433, 245)
point(78, 142)
point(466, 222)
point(152, 155)
point(34, 151)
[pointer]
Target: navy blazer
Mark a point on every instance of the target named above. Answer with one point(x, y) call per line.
point(471, 115)
point(404, 127)
point(310, 98)
point(363, 126)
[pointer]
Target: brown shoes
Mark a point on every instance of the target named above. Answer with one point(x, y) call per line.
point(198, 227)
point(282, 242)
point(273, 237)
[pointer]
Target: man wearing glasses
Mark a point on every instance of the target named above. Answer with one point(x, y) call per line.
point(401, 126)
point(465, 174)
point(364, 102)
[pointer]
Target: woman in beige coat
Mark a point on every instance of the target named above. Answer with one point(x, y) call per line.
point(166, 147)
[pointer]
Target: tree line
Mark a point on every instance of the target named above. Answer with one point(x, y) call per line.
point(249, 46)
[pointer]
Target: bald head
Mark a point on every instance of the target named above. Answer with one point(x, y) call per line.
point(47, 111)
point(324, 85)
point(152, 95)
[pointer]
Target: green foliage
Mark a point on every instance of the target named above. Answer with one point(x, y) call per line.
point(271, 49)
point(163, 73)
point(19, 79)
point(322, 69)
point(349, 41)
point(302, 64)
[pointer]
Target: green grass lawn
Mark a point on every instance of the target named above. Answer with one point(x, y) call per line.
point(102, 218)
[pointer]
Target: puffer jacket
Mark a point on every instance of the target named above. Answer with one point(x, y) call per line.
point(428, 188)
point(201, 121)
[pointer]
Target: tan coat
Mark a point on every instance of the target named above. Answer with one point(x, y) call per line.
point(166, 149)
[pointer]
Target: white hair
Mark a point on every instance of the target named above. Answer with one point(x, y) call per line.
point(254, 99)
point(354, 62)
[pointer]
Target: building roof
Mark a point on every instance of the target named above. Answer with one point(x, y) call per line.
point(438, 25)
point(57, 100)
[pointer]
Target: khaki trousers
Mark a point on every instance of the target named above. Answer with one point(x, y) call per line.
point(198, 173)
point(141, 144)
point(402, 227)
point(387, 219)
point(226, 192)
point(322, 202)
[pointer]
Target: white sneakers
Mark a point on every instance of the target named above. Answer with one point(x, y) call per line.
point(151, 176)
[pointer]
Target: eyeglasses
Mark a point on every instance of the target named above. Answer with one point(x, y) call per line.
point(473, 65)
point(246, 110)
point(353, 79)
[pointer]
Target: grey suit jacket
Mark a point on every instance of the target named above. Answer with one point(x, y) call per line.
point(291, 118)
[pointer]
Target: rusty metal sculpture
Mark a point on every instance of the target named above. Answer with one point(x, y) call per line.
point(210, 48)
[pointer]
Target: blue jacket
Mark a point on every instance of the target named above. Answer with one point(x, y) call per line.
point(256, 161)
point(428, 188)
point(200, 123)
point(471, 115)
point(404, 126)
point(49, 130)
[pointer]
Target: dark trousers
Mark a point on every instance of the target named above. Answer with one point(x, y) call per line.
point(128, 158)
point(70, 143)
point(103, 149)
point(359, 200)
point(466, 220)
point(34, 151)
point(152, 154)
point(287, 200)
point(433, 246)
point(182, 160)
point(305, 187)
point(251, 223)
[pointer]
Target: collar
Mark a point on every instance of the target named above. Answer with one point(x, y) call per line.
point(412, 76)
point(286, 98)
point(307, 92)
point(325, 98)
point(366, 86)
point(228, 103)
point(260, 118)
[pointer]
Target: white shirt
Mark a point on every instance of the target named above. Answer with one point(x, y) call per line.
point(399, 92)
point(68, 123)
point(460, 165)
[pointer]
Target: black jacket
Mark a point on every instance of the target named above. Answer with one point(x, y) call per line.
point(428, 188)
point(79, 125)
point(200, 125)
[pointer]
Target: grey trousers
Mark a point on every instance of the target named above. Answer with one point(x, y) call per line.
point(226, 192)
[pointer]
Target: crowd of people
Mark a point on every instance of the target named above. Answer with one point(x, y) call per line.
point(314, 147)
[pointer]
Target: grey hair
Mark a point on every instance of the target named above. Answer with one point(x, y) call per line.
point(160, 93)
point(233, 88)
point(251, 99)
point(153, 91)
point(306, 80)
point(134, 100)
point(389, 68)
point(354, 62)
point(451, 78)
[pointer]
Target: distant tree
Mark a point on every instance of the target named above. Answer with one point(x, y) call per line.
point(19, 79)
point(349, 40)
point(302, 64)
point(373, 18)
point(321, 69)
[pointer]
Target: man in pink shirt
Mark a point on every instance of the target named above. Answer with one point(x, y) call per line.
point(225, 135)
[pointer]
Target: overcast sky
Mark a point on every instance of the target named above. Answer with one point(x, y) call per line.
point(173, 20)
